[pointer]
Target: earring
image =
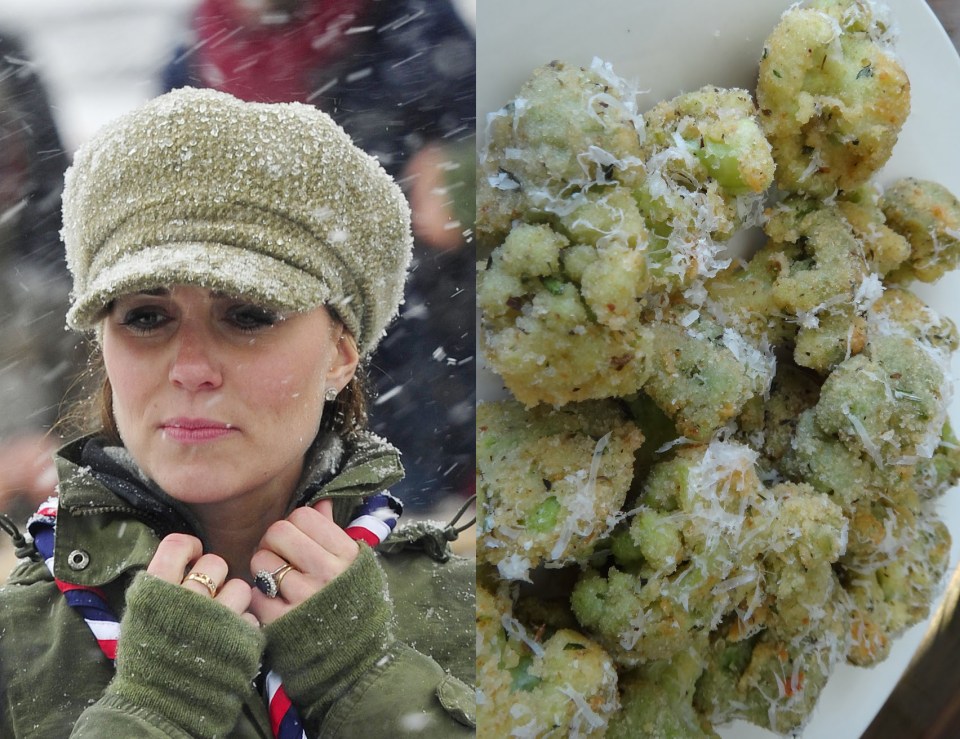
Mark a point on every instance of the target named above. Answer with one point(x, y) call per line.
point(331, 394)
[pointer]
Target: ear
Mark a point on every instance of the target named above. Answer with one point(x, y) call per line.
point(345, 360)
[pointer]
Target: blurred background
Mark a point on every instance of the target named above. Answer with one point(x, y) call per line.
point(398, 75)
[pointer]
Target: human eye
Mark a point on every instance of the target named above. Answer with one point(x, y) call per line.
point(143, 320)
point(248, 317)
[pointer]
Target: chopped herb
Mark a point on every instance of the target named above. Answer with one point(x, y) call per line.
point(521, 679)
point(554, 285)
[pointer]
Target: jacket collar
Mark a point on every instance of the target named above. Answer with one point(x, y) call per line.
point(111, 517)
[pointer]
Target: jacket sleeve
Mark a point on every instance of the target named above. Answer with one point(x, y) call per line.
point(352, 677)
point(184, 665)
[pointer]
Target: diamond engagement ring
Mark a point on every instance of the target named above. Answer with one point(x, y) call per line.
point(268, 583)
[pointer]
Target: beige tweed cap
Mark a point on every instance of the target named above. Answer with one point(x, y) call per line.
point(271, 202)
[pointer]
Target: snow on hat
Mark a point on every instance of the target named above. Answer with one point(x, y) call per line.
point(271, 202)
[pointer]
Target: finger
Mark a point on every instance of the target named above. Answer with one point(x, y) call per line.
point(293, 586)
point(324, 507)
point(213, 567)
point(322, 529)
point(174, 554)
point(265, 560)
point(251, 619)
point(316, 553)
point(267, 610)
point(235, 595)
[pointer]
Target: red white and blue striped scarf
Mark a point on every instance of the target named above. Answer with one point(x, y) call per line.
point(373, 521)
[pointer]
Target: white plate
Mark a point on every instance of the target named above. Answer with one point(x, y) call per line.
point(682, 45)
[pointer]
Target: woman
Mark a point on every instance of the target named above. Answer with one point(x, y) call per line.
point(399, 78)
point(235, 262)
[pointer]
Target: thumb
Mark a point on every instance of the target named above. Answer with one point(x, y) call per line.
point(324, 507)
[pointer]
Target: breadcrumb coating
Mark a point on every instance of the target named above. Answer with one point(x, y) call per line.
point(550, 482)
point(927, 215)
point(832, 96)
point(561, 685)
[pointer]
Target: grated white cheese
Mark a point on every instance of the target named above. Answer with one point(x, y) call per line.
point(582, 506)
point(515, 567)
point(871, 447)
point(584, 714)
point(759, 364)
point(516, 630)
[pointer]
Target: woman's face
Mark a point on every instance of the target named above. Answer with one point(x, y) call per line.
point(218, 398)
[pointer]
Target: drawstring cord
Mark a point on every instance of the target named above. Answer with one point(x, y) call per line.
point(22, 547)
point(452, 531)
point(428, 537)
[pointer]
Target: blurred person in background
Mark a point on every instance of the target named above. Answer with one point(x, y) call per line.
point(399, 76)
point(38, 359)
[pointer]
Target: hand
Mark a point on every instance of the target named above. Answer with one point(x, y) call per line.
point(180, 554)
point(314, 545)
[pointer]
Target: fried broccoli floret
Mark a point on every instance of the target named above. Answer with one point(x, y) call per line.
point(803, 540)
point(658, 700)
point(883, 248)
point(741, 296)
point(707, 166)
point(891, 400)
point(939, 473)
point(928, 216)
point(564, 323)
point(770, 664)
point(701, 373)
point(825, 282)
point(769, 680)
point(900, 312)
point(807, 288)
point(708, 541)
point(893, 589)
point(561, 685)
point(719, 128)
point(769, 425)
point(563, 296)
point(810, 286)
point(888, 400)
point(567, 129)
point(539, 331)
point(831, 467)
point(832, 96)
point(877, 443)
point(687, 539)
point(550, 481)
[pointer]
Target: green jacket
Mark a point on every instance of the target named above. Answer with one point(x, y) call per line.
point(386, 649)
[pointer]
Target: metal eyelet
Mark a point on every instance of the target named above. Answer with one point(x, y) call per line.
point(78, 559)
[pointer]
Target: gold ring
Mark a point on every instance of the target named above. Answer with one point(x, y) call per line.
point(205, 580)
point(281, 573)
point(268, 583)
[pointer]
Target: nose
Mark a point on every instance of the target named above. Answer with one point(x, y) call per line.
point(195, 366)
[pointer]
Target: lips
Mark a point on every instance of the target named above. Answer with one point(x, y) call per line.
point(195, 430)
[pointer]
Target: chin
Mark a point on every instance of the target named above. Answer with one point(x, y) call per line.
point(197, 483)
